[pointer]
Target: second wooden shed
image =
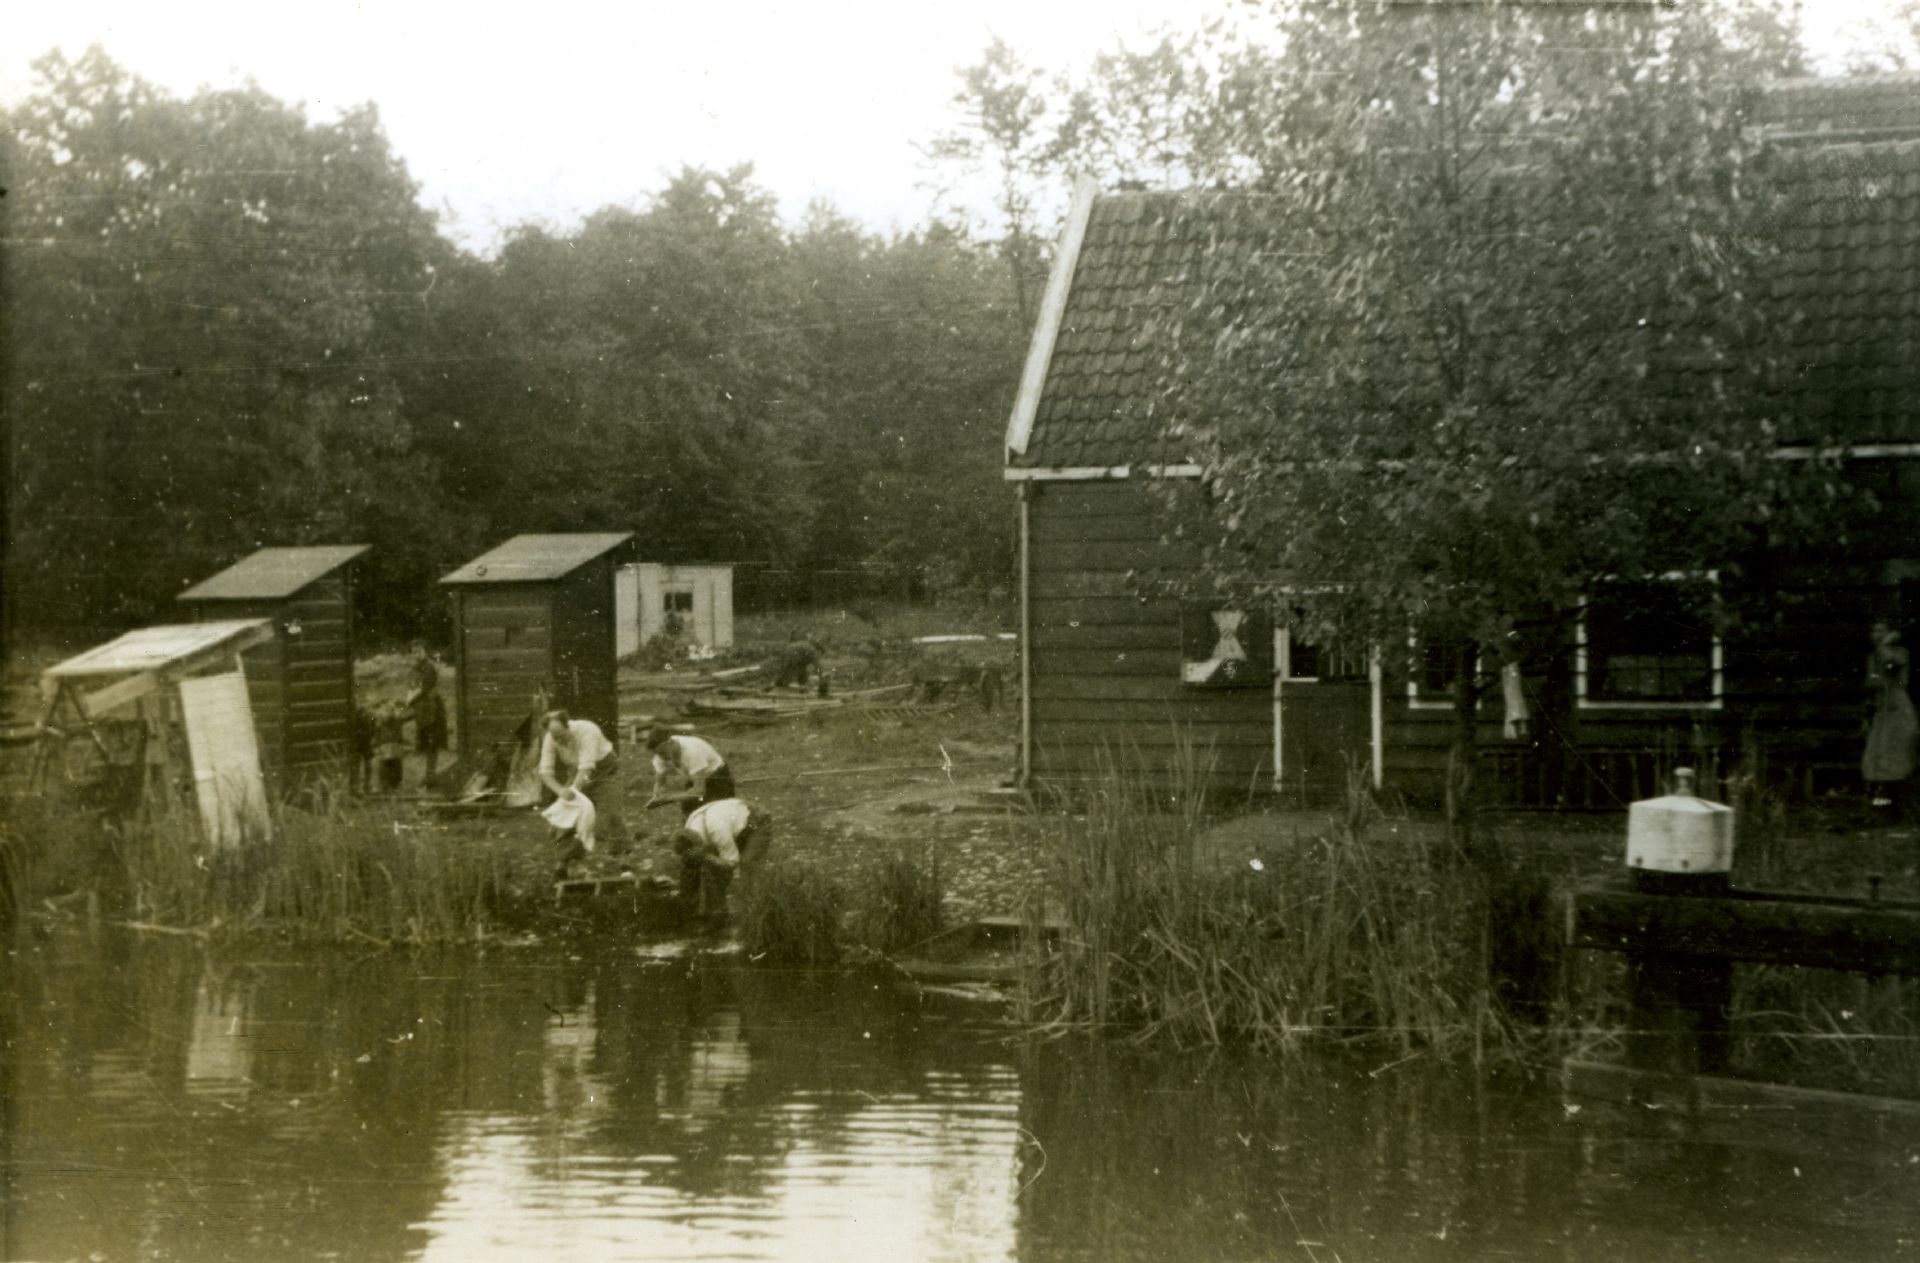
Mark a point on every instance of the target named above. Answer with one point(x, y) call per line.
point(301, 683)
point(534, 619)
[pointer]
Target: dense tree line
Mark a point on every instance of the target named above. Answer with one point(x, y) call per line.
point(232, 326)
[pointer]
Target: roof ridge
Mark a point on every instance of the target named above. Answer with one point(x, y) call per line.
point(1826, 83)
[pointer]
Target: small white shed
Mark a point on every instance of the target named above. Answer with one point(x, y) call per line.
point(697, 601)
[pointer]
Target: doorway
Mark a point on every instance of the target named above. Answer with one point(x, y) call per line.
point(1324, 718)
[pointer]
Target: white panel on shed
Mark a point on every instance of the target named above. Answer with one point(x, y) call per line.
point(699, 597)
point(723, 607)
point(652, 617)
point(226, 757)
point(626, 611)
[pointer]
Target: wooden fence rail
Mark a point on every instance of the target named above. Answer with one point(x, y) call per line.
point(1681, 948)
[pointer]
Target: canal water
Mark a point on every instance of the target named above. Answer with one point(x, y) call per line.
point(646, 1103)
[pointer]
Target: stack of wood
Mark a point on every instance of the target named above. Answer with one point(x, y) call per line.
point(762, 706)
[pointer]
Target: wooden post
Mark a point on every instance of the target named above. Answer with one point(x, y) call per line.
point(1678, 1022)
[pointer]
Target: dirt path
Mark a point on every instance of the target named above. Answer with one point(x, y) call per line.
point(847, 787)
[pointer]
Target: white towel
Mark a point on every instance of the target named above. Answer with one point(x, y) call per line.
point(574, 813)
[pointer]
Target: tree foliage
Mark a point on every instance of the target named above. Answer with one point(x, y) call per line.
point(247, 331)
point(217, 285)
point(1487, 331)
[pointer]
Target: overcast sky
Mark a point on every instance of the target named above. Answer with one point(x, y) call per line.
point(549, 110)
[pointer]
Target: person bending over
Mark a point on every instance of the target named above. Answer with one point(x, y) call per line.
point(714, 842)
point(577, 758)
point(689, 765)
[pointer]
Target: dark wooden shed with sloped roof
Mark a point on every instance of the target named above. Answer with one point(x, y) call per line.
point(301, 682)
point(1111, 668)
point(534, 621)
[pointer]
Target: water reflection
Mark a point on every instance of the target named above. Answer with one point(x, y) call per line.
point(169, 1105)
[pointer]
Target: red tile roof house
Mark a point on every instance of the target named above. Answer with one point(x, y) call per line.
point(1111, 673)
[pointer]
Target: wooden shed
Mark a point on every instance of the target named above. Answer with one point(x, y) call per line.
point(301, 683)
point(158, 708)
point(1599, 698)
point(534, 619)
point(696, 602)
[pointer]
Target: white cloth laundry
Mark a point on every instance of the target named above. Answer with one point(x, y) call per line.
point(574, 813)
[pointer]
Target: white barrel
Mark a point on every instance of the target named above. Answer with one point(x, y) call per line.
point(1680, 833)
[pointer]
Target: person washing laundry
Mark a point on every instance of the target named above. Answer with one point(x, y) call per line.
point(577, 761)
point(716, 840)
point(690, 766)
point(574, 821)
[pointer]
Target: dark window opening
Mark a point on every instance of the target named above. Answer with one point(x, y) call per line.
point(1436, 665)
point(1332, 660)
point(1648, 642)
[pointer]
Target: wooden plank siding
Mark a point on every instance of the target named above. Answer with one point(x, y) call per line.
point(504, 648)
point(300, 685)
point(1106, 657)
point(519, 641)
point(585, 645)
point(319, 676)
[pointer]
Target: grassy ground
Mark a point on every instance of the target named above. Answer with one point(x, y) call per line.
point(843, 786)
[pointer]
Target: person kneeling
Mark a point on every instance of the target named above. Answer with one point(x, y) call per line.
point(712, 845)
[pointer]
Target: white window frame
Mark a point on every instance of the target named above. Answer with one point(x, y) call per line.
point(1716, 659)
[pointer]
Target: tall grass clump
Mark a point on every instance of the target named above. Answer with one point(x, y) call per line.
point(791, 914)
point(1355, 933)
point(339, 871)
point(898, 900)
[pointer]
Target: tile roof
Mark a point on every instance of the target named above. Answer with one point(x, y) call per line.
point(1851, 108)
point(1142, 256)
point(1844, 292)
point(537, 558)
point(273, 573)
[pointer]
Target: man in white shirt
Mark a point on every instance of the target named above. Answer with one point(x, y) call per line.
point(690, 764)
point(577, 759)
point(712, 845)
